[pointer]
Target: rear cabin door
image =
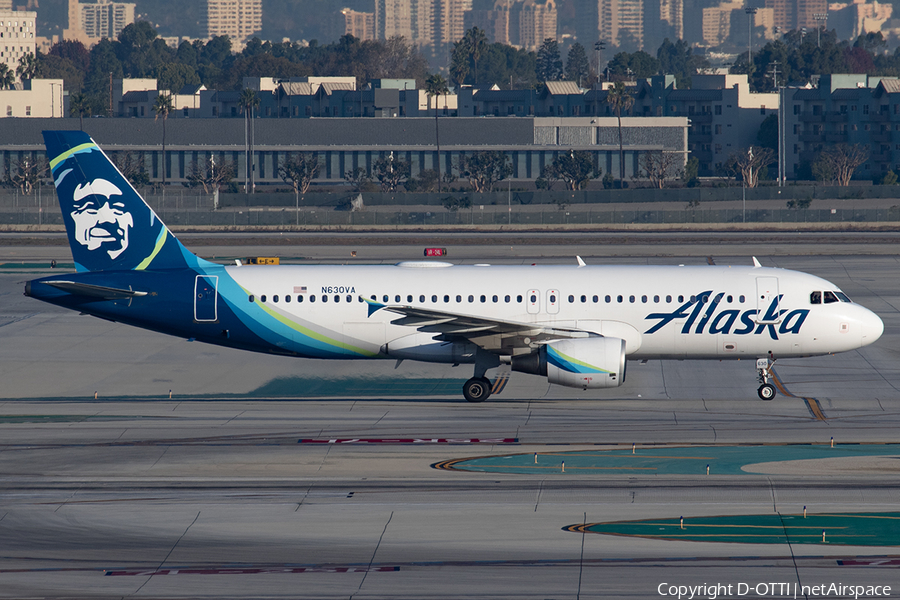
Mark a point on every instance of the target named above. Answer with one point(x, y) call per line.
point(766, 293)
point(206, 296)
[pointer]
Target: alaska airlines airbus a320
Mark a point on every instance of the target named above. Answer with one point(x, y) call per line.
point(576, 325)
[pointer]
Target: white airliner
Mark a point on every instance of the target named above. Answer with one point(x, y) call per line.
point(574, 324)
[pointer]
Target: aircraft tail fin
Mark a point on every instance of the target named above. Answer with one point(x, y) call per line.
point(110, 227)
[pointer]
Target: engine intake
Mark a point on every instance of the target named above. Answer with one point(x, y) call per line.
point(586, 363)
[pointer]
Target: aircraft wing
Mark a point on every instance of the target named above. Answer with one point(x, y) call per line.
point(94, 291)
point(497, 335)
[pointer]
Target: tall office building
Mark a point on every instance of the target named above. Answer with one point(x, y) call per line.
point(537, 22)
point(796, 14)
point(621, 22)
point(524, 24)
point(411, 19)
point(238, 19)
point(17, 30)
point(449, 20)
point(105, 18)
point(360, 25)
point(494, 20)
point(671, 15)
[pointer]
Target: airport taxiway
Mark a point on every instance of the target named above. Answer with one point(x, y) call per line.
point(210, 493)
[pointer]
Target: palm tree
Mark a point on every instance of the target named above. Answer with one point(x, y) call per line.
point(249, 101)
point(619, 99)
point(78, 105)
point(436, 86)
point(28, 67)
point(162, 106)
point(475, 41)
point(7, 77)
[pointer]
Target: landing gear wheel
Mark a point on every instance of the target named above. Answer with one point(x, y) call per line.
point(766, 391)
point(477, 389)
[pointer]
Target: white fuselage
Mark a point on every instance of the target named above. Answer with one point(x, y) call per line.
point(679, 312)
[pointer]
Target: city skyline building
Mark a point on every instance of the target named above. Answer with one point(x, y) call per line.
point(360, 25)
point(238, 19)
point(621, 22)
point(17, 36)
point(411, 19)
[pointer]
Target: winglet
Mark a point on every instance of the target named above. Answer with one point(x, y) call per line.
point(373, 306)
point(756, 262)
point(581, 263)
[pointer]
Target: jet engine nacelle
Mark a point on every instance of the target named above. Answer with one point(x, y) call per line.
point(597, 362)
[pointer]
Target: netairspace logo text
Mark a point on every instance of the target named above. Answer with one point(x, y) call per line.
point(773, 590)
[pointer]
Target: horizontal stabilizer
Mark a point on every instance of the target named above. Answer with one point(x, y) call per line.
point(94, 291)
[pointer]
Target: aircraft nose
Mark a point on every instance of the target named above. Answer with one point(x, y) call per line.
point(872, 328)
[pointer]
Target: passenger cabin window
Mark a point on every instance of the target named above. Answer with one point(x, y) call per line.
point(383, 298)
point(313, 298)
point(830, 298)
point(422, 298)
point(262, 298)
point(815, 298)
point(287, 298)
point(409, 298)
point(472, 298)
point(325, 298)
point(275, 298)
point(397, 298)
point(252, 299)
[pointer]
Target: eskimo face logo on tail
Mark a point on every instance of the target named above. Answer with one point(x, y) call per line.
point(100, 221)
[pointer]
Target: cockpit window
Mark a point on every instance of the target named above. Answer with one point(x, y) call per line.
point(830, 298)
point(815, 298)
point(843, 297)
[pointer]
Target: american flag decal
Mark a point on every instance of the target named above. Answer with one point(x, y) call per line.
point(299, 289)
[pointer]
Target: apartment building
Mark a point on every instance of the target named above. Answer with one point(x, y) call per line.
point(621, 20)
point(844, 109)
point(360, 25)
point(17, 36)
point(105, 18)
point(411, 19)
point(238, 19)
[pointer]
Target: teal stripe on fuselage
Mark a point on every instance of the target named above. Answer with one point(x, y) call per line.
point(279, 329)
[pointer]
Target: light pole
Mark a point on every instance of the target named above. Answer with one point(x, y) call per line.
point(598, 46)
point(820, 18)
point(750, 10)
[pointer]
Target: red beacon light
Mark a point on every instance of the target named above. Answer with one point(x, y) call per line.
point(435, 252)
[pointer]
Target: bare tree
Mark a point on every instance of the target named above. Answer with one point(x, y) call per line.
point(576, 169)
point(842, 160)
point(358, 178)
point(484, 169)
point(750, 162)
point(131, 166)
point(299, 170)
point(660, 166)
point(391, 172)
point(210, 175)
point(26, 173)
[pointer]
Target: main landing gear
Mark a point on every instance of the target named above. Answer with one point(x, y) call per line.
point(478, 389)
point(766, 390)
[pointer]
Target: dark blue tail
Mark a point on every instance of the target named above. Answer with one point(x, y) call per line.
point(110, 226)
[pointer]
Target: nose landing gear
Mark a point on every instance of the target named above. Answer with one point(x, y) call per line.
point(766, 390)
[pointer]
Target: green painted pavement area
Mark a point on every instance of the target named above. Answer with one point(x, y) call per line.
point(843, 529)
point(722, 460)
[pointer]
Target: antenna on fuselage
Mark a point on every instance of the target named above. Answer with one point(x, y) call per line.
point(756, 262)
point(581, 263)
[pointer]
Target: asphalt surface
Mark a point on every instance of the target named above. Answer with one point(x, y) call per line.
point(210, 493)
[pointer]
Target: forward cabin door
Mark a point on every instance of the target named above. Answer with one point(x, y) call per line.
point(766, 293)
point(206, 296)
